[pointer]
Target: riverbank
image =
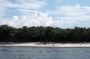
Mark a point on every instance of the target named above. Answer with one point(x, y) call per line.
point(47, 45)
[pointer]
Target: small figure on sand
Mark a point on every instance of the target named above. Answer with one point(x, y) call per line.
point(53, 44)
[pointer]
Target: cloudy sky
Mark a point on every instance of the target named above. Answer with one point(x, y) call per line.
point(55, 13)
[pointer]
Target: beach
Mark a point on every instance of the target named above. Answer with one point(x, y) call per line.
point(48, 45)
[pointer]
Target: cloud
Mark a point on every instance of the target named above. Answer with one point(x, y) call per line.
point(65, 16)
point(37, 19)
point(24, 6)
point(70, 16)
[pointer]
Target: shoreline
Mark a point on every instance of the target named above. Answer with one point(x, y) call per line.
point(55, 45)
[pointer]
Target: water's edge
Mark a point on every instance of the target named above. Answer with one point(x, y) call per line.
point(56, 45)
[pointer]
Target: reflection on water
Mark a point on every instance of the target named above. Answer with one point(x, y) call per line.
point(44, 53)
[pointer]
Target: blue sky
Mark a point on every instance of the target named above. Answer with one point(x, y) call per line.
point(55, 13)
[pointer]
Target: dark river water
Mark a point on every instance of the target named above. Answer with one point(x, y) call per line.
point(44, 53)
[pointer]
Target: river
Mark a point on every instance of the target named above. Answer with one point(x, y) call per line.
point(44, 53)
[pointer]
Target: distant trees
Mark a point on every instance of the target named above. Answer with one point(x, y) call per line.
point(44, 34)
point(6, 33)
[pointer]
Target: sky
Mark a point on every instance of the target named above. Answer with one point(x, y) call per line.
point(55, 13)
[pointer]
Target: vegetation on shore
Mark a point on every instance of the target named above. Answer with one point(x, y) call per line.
point(44, 34)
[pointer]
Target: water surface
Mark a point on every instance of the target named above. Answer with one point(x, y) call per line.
point(44, 53)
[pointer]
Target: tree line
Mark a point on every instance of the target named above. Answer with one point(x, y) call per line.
point(44, 34)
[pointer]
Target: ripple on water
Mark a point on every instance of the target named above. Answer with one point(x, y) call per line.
point(44, 53)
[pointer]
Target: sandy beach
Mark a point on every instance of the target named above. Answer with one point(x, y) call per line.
point(47, 45)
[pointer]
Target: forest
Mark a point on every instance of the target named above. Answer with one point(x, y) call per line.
point(44, 34)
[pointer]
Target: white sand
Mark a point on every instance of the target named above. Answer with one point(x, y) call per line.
point(47, 45)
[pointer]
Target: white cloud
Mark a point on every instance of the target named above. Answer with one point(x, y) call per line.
point(67, 16)
point(24, 6)
point(76, 10)
point(70, 16)
point(3, 5)
point(37, 19)
point(33, 3)
point(6, 4)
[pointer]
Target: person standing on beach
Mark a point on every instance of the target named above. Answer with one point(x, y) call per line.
point(53, 44)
